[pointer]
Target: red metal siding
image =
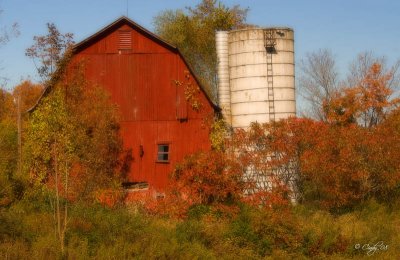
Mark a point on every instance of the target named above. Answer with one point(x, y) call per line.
point(142, 82)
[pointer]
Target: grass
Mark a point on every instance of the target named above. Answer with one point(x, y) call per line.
point(27, 232)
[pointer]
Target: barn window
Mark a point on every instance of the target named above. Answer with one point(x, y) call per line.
point(163, 153)
point(125, 40)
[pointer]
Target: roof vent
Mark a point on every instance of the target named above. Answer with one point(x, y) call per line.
point(125, 40)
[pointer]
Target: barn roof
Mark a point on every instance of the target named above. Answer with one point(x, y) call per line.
point(122, 20)
point(125, 20)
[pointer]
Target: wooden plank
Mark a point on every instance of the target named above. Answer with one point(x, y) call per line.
point(141, 83)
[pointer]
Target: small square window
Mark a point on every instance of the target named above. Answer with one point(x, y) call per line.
point(163, 153)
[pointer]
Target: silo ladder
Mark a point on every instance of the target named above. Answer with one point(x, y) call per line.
point(270, 86)
point(270, 42)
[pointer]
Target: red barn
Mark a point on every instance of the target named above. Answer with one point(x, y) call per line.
point(157, 94)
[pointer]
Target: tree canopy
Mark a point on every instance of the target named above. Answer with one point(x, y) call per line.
point(193, 29)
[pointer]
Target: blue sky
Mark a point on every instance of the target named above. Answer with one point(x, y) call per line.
point(346, 27)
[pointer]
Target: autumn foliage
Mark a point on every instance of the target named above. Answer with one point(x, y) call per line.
point(366, 103)
point(210, 178)
point(74, 135)
point(293, 189)
point(333, 165)
point(329, 166)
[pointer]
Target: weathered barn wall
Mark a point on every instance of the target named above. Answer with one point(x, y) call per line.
point(140, 74)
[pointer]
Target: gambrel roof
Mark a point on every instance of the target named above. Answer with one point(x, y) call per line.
point(123, 20)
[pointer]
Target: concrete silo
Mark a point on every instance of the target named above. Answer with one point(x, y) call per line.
point(259, 63)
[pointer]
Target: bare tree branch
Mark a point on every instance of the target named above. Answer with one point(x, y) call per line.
point(318, 80)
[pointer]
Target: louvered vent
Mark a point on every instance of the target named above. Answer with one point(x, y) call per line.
point(125, 40)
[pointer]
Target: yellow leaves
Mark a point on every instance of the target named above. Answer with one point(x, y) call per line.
point(218, 134)
point(191, 91)
point(57, 138)
point(178, 83)
point(191, 95)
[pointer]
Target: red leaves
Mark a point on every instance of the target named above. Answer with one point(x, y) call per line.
point(366, 103)
point(332, 165)
point(109, 197)
point(329, 166)
point(340, 166)
point(207, 178)
point(326, 165)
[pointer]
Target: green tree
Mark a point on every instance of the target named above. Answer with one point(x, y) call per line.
point(7, 107)
point(8, 162)
point(73, 146)
point(26, 93)
point(81, 129)
point(193, 31)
